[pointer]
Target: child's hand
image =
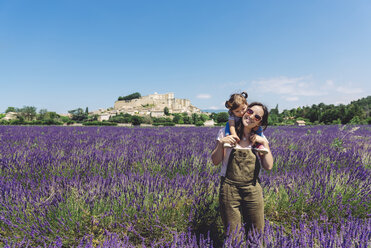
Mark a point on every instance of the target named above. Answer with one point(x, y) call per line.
point(257, 139)
point(253, 139)
point(235, 137)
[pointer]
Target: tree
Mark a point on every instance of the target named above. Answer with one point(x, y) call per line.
point(42, 114)
point(10, 109)
point(136, 120)
point(204, 117)
point(222, 117)
point(27, 112)
point(130, 97)
point(273, 117)
point(195, 118)
point(121, 118)
point(78, 115)
point(187, 119)
point(86, 111)
point(166, 111)
point(177, 118)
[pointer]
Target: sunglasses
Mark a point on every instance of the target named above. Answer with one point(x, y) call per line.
point(256, 117)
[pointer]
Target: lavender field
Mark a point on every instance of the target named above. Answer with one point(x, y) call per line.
point(157, 187)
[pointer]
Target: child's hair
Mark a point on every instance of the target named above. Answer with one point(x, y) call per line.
point(236, 100)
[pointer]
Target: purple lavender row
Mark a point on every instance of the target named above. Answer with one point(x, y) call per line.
point(353, 233)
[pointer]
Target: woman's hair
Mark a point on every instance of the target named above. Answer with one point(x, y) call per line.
point(236, 100)
point(263, 122)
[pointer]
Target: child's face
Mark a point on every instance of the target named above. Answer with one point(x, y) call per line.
point(240, 111)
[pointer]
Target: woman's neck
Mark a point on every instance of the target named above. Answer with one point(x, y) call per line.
point(246, 137)
point(247, 131)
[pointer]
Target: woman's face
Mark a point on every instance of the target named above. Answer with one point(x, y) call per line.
point(253, 116)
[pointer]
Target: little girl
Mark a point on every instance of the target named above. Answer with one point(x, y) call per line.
point(237, 105)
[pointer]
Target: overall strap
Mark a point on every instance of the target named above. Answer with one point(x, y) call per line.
point(257, 168)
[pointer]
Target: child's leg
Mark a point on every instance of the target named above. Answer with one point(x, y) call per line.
point(227, 129)
point(227, 132)
point(259, 131)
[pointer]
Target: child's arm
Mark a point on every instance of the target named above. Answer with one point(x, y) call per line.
point(232, 129)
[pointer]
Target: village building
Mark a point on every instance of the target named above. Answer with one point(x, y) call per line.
point(300, 123)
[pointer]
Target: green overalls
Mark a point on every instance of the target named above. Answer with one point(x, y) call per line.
point(240, 192)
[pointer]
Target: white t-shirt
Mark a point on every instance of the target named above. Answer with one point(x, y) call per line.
point(227, 152)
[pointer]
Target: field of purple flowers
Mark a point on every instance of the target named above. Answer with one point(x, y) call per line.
point(137, 187)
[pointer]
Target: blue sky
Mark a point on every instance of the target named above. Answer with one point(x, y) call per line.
point(61, 55)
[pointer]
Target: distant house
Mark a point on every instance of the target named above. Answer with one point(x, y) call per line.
point(209, 123)
point(10, 116)
point(104, 117)
point(300, 123)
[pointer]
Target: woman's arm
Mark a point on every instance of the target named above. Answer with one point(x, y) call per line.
point(267, 159)
point(218, 152)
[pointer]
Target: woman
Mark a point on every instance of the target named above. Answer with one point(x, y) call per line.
point(240, 191)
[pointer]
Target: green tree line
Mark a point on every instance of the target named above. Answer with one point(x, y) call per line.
point(135, 95)
point(357, 112)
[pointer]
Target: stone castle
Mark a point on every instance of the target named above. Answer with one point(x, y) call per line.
point(152, 105)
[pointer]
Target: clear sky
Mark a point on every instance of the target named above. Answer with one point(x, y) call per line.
point(66, 54)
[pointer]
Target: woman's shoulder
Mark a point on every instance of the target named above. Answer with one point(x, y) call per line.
point(221, 134)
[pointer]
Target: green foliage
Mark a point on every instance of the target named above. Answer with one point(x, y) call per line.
point(31, 123)
point(147, 119)
point(166, 111)
point(357, 112)
point(186, 118)
point(2, 115)
point(78, 115)
point(164, 124)
point(99, 123)
point(162, 121)
point(221, 117)
point(27, 113)
point(199, 123)
point(135, 95)
point(148, 105)
point(121, 118)
point(204, 117)
point(337, 143)
point(177, 119)
point(92, 118)
point(136, 120)
point(64, 119)
point(10, 109)
point(4, 122)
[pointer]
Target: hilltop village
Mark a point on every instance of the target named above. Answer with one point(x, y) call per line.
point(154, 105)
